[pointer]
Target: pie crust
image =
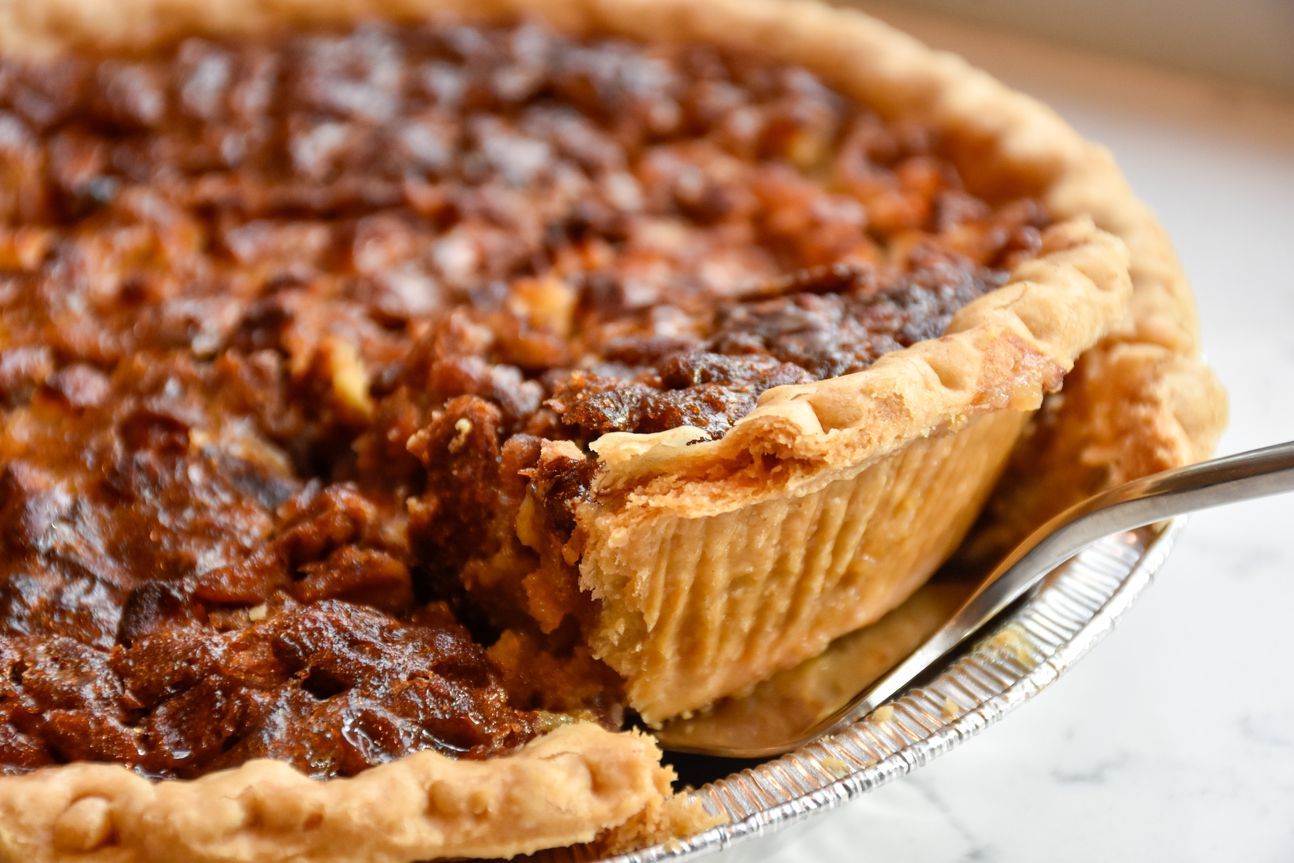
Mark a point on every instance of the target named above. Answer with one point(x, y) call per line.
point(561, 789)
point(718, 563)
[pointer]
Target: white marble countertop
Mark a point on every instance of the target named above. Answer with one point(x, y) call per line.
point(1174, 739)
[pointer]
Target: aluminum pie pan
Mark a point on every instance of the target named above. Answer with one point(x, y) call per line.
point(1031, 648)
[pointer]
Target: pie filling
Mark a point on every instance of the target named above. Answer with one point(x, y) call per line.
point(284, 323)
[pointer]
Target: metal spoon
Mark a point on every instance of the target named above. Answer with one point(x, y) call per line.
point(1249, 475)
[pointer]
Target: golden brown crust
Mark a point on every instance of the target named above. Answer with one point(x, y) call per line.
point(562, 788)
point(1139, 402)
point(1003, 353)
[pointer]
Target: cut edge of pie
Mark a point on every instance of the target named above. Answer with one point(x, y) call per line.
point(889, 465)
point(795, 501)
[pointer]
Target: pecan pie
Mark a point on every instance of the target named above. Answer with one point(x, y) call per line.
point(396, 407)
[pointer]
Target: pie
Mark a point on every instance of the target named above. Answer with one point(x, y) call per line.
point(395, 409)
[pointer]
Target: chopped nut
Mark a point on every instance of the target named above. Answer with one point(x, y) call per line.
point(547, 303)
point(808, 150)
point(529, 523)
point(462, 428)
point(349, 377)
point(24, 248)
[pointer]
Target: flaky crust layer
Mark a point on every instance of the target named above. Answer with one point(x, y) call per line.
point(1002, 353)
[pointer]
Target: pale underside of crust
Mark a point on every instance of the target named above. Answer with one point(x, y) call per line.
point(786, 703)
point(696, 608)
point(1003, 352)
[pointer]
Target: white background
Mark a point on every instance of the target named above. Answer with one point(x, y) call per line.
point(1174, 739)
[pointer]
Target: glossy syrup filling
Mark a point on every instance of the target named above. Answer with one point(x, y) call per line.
point(285, 323)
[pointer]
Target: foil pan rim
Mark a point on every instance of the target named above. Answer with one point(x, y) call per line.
point(1036, 644)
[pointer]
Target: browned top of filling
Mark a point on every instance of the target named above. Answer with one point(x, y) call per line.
point(283, 325)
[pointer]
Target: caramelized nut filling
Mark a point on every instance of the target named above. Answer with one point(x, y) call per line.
point(284, 323)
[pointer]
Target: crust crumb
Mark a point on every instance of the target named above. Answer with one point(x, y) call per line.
point(883, 714)
point(835, 766)
point(1015, 644)
point(950, 710)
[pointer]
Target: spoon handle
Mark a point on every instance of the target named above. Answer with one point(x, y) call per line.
point(1245, 476)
